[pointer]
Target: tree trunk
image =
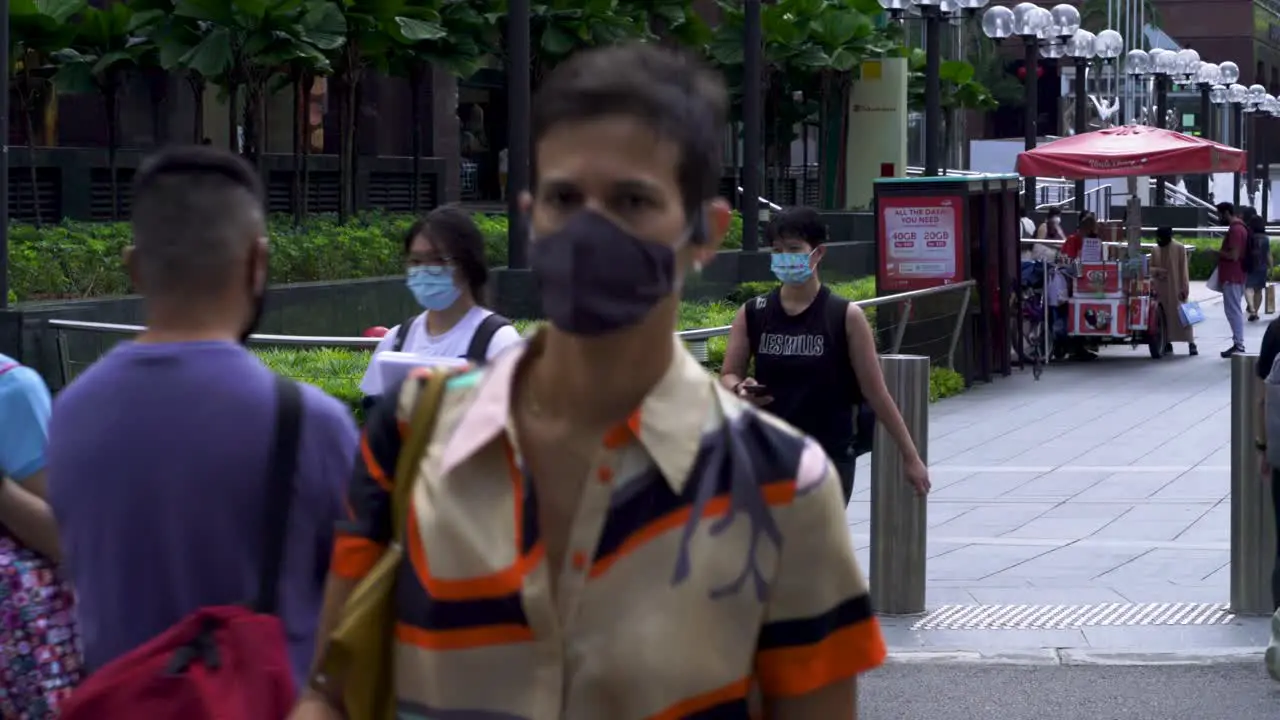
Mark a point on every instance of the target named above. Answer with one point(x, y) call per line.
point(28, 102)
point(346, 162)
point(197, 84)
point(254, 91)
point(415, 115)
point(295, 183)
point(233, 136)
point(109, 97)
point(309, 80)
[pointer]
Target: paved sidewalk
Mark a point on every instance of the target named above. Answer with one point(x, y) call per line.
point(898, 692)
point(1103, 482)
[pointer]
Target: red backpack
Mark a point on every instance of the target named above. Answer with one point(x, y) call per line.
point(228, 662)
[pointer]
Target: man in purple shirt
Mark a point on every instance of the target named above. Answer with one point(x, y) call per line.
point(1231, 274)
point(158, 453)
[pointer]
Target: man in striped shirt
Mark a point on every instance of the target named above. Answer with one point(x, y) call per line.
point(598, 529)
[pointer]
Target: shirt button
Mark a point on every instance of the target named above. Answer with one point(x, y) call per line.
point(579, 561)
point(604, 474)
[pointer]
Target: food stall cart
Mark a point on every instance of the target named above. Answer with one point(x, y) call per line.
point(1113, 301)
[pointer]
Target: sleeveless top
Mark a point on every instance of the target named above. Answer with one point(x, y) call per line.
point(803, 360)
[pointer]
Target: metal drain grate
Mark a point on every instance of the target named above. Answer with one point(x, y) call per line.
point(1066, 617)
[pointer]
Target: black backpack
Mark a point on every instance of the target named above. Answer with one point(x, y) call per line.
point(864, 421)
point(1253, 258)
point(479, 347)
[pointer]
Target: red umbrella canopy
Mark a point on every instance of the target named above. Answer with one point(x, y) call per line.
point(1127, 151)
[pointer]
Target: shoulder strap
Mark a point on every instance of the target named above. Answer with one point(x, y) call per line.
point(478, 350)
point(421, 426)
point(6, 368)
point(402, 333)
point(282, 468)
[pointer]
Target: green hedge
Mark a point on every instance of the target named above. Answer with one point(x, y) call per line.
point(338, 371)
point(1200, 263)
point(77, 260)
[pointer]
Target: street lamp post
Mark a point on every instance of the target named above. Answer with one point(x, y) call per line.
point(1081, 47)
point(519, 105)
point(1206, 77)
point(1032, 24)
point(932, 12)
point(1249, 110)
point(1233, 96)
point(753, 123)
point(1159, 65)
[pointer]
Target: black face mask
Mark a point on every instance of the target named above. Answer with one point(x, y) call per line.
point(595, 278)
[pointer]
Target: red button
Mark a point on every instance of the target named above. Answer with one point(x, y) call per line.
point(579, 560)
point(604, 474)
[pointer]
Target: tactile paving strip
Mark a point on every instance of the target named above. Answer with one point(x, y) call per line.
point(1067, 617)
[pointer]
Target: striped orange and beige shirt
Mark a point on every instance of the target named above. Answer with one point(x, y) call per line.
point(709, 558)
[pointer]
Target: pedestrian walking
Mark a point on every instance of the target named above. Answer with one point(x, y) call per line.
point(815, 354)
point(1268, 369)
point(1173, 288)
point(447, 273)
point(39, 655)
point(1231, 276)
point(1051, 228)
point(560, 557)
point(1026, 225)
point(169, 455)
point(1258, 263)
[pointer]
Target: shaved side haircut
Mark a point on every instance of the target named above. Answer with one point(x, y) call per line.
point(196, 212)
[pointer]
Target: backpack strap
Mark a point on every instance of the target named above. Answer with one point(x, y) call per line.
point(398, 344)
point(478, 349)
point(282, 469)
point(10, 366)
point(422, 425)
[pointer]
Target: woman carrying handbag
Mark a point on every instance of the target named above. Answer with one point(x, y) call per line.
point(39, 647)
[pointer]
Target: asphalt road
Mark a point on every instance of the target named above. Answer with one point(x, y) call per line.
point(1055, 692)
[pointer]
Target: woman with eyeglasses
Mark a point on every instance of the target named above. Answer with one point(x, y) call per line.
point(447, 274)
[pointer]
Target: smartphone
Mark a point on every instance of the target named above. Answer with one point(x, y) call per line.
point(756, 390)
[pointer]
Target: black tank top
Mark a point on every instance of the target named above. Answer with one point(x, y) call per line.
point(804, 362)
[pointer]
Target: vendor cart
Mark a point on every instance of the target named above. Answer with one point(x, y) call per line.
point(1113, 301)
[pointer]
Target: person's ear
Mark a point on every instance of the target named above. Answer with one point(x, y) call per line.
point(716, 218)
point(130, 259)
point(816, 256)
point(259, 254)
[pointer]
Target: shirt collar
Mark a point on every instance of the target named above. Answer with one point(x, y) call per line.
point(669, 422)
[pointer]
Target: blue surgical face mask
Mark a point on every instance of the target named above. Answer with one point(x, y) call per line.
point(433, 287)
point(791, 268)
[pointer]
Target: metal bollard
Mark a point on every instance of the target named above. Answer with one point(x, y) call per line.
point(898, 515)
point(1253, 528)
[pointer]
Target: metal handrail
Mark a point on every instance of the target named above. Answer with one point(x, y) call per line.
point(765, 201)
point(1061, 203)
point(695, 340)
point(1178, 193)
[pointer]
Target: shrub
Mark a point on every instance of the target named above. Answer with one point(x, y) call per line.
point(78, 259)
point(944, 383)
point(338, 371)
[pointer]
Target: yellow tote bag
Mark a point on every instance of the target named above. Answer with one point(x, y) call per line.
point(360, 650)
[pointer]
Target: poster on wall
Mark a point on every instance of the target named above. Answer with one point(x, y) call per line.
point(920, 242)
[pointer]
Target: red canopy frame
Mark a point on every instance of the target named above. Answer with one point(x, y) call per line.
point(1129, 151)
